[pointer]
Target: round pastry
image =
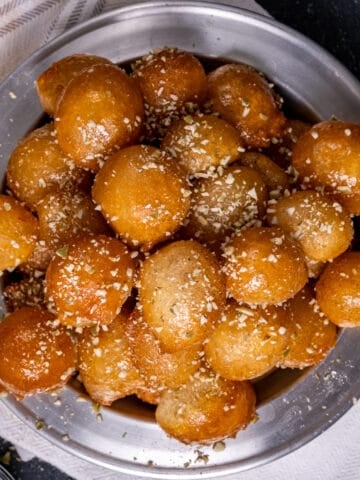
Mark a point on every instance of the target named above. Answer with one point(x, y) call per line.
point(105, 362)
point(37, 354)
point(202, 141)
point(248, 342)
point(244, 98)
point(223, 202)
point(327, 157)
point(182, 293)
point(206, 409)
point(52, 82)
point(311, 334)
point(263, 265)
point(143, 194)
point(172, 83)
point(89, 280)
point(19, 233)
point(337, 290)
point(38, 166)
point(321, 225)
point(100, 111)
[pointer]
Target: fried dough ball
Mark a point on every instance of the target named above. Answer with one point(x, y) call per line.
point(321, 225)
point(89, 280)
point(337, 290)
point(106, 366)
point(52, 82)
point(224, 202)
point(274, 177)
point(100, 111)
point(143, 194)
point(248, 342)
point(243, 97)
point(263, 265)
point(64, 215)
point(18, 233)
point(172, 83)
point(328, 157)
point(159, 369)
point(28, 292)
point(312, 335)
point(280, 150)
point(206, 409)
point(182, 293)
point(201, 141)
point(37, 355)
point(38, 166)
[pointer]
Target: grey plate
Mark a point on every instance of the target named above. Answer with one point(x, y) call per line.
point(294, 408)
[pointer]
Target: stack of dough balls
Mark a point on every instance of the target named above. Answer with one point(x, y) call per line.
point(170, 234)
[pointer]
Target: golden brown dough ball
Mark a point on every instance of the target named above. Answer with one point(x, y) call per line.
point(19, 233)
point(206, 409)
point(201, 141)
point(321, 225)
point(182, 293)
point(143, 194)
point(160, 370)
point(224, 202)
point(106, 366)
point(312, 335)
point(37, 354)
point(38, 166)
point(89, 280)
point(263, 265)
point(64, 215)
point(52, 82)
point(247, 343)
point(100, 111)
point(274, 177)
point(337, 290)
point(328, 157)
point(280, 150)
point(172, 83)
point(244, 98)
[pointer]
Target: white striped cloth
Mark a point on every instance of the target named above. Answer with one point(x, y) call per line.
point(26, 25)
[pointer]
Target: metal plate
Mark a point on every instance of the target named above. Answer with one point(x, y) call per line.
point(295, 408)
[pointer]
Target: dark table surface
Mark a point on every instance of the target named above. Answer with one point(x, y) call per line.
point(335, 25)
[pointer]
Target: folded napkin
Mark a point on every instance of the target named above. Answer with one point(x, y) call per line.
point(26, 25)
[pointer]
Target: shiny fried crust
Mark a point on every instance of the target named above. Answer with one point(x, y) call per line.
point(38, 166)
point(263, 265)
point(311, 334)
point(37, 354)
point(328, 156)
point(202, 141)
point(248, 342)
point(160, 370)
point(19, 233)
point(223, 201)
point(147, 215)
point(244, 98)
point(63, 215)
point(182, 293)
point(53, 81)
point(105, 363)
point(337, 290)
point(89, 280)
point(207, 408)
point(173, 83)
point(100, 111)
point(321, 225)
